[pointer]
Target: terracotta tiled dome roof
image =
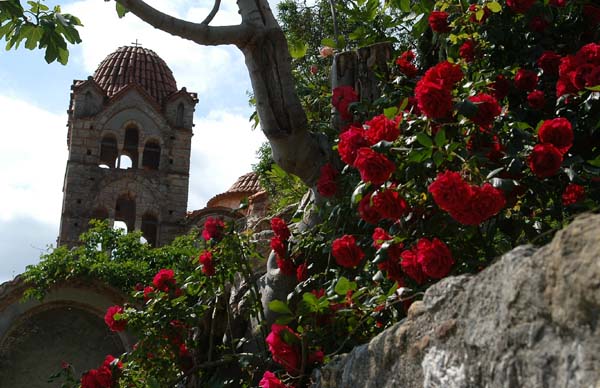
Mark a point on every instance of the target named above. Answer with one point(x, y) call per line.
point(137, 65)
point(247, 183)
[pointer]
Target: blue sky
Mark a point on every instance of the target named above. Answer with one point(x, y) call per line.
point(34, 98)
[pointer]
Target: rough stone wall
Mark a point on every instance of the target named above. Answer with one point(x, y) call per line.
point(529, 320)
point(90, 190)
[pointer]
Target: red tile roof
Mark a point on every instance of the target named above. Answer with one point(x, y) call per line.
point(138, 65)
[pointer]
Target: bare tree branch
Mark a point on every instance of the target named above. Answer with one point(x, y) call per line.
point(196, 32)
point(212, 13)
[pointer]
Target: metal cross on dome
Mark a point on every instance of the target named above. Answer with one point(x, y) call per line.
point(136, 44)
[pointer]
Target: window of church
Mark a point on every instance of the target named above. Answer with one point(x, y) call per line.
point(108, 151)
point(179, 117)
point(130, 146)
point(150, 228)
point(151, 156)
point(124, 162)
point(125, 211)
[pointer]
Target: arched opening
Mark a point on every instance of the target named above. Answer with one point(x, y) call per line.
point(125, 211)
point(179, 117)
point(124, 162)
point(108, 151)
point(150, 228)
point(130, 145)
point(151, 156)
point(120, 225)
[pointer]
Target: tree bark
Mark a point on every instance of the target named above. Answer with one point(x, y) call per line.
point(261, 40)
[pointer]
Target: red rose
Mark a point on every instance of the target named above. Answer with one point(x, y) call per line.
point(302, 272)
point(487, 109)
point(590, 53)
point(112, 323)
point(381, 128)
point(350, 141)
point(500, 87)
point(434, 257)
point(213, 229)
point(367, 212)
point(573, 193)
point(473, 8)
point(285, 354)
point(438, 21)
point(326, 185)
point(345, 251)
point(591, 14)
point(208, 266)
point(467, 51)
point(545, 160)
point(279, 247)
point(405, 65)
point(549, 62)
point(148, 291)
point(373, 167)
point(568, 65)
point(483, 203)
point(536, 99)
point(269, 380)
point(341, 99)
point(557, 132)
point(286, 266)
point(445, 74)
point(164, 279)
point(449, 190)
point(520, 6)
point(379, 237)
point(97, 378)
point(433, 99)
point(526, 80)
point(389, 204)
point(280, 228)
point(579, 76)
point(411, 267)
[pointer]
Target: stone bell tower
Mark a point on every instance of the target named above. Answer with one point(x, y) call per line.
point(129, 141)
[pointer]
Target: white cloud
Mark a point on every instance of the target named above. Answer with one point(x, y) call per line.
point(223, 148)
point(33, 153)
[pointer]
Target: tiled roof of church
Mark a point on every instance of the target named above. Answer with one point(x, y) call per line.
point(247, 183)
point(138, 65)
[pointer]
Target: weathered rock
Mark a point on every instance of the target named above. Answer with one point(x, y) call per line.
point(529, 320)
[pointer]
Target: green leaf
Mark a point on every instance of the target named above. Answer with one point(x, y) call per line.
point(280, 307)
point(405, 5)
point(328, 42)
point(391, 112)
point(424, 140)
point(494, 6)
point(121, 10)
point(440, 138)
point(297, 49)
point(438, 158)
point(344, 285)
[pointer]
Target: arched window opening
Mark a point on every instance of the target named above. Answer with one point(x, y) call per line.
point(150, 228)
point(130, 145)
point(125, 211)
point(108, 151)
point(120, 225)
point(151, 157)
point(179, 117)
point(99, 214)
point(124, 162)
